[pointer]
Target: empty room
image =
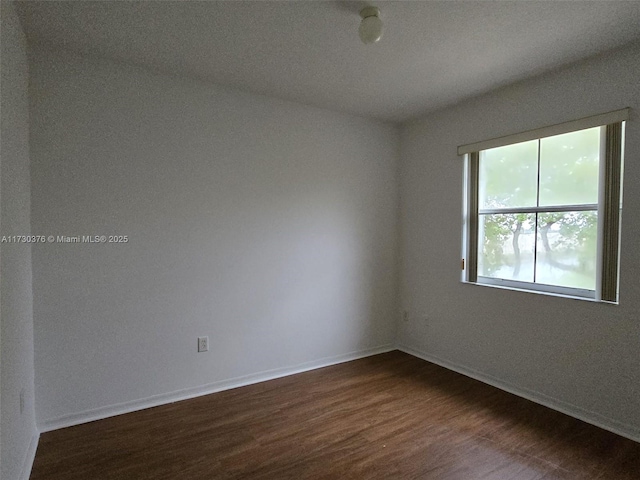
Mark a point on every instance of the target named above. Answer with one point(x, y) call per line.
point(320, 240)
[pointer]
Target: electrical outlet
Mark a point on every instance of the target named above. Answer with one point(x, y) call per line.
point(203, 344)
point(21, 401)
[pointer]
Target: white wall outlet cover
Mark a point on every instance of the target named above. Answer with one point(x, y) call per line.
point(203, 344)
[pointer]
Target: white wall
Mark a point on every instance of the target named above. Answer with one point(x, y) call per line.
point(269, 226)
point(576, 355)
point(19, 434)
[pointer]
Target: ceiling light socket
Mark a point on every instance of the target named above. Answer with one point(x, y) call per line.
point(370, 12)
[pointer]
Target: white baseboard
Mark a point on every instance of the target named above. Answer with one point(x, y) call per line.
point(170, 397)
point(27, 466)
point(629, 431)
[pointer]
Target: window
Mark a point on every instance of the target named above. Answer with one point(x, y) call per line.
point(542, 209)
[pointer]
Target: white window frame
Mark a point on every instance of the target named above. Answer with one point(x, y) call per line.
point(609, 207)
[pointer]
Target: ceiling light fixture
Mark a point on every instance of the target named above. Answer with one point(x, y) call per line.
point(370, 30)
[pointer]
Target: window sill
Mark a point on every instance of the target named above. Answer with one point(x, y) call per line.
point(539, 292)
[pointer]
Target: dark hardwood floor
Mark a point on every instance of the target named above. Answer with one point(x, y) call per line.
point(391, 416)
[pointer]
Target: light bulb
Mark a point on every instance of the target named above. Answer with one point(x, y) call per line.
point(370, 30)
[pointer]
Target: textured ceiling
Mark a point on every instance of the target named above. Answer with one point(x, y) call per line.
point(432, 54)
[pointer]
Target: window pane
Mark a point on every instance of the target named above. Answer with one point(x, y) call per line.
point(506, 246)
point(569, 168)
point(509, 175)
point(567, 246)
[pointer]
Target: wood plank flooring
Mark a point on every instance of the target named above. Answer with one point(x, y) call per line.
point(390, 416)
